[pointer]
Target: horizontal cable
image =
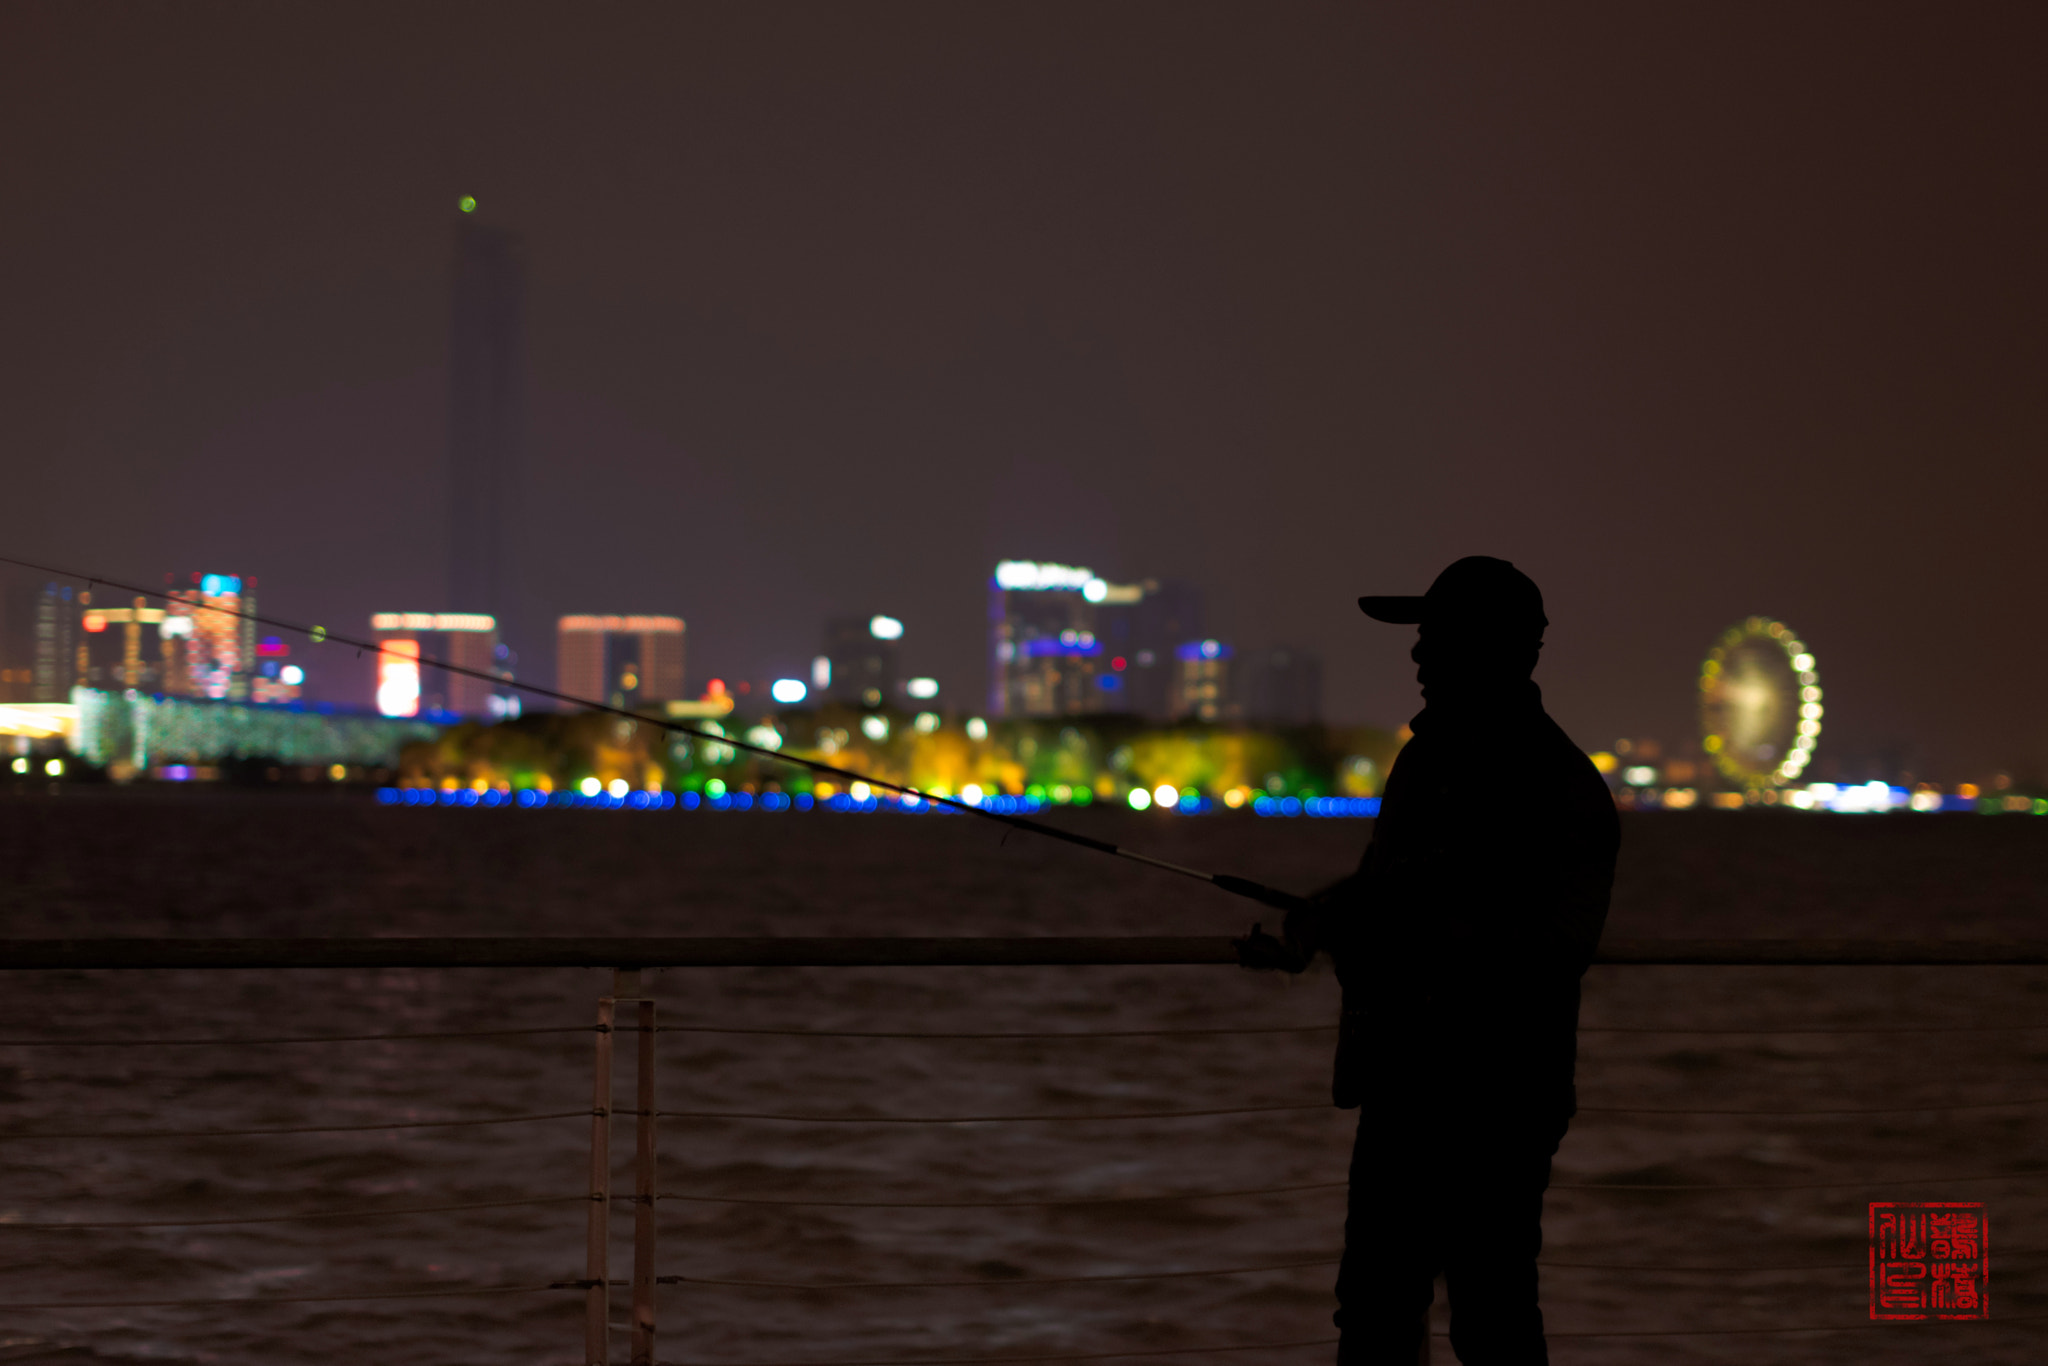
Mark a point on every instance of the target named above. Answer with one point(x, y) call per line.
point(1011, 1280)
point(1287, 1029)
point(297, 1129)
point(1041, 1203)
point(233, 1041)
point(933, 1034)
point(1893, 1324)
point(301, 1217)
point(1857, 1266)
point(977, 1119)
point(996, 1361)
point(1805, 1029)
point(286, 1299)
point(1327, 1342)
point(1790, 1185)
point(240, 1041)
point(183, 953)
point(1869, 1110)
point(1330, 1259)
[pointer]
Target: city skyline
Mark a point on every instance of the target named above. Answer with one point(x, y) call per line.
point(1194, 300)
point(1758, 688)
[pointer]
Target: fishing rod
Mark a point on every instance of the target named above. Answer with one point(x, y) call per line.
point(1237, 886)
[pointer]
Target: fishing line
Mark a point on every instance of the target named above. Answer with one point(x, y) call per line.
point(1237, 886)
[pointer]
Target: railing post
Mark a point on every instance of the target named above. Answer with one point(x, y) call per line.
point(643, 1195)
point(597, 1295)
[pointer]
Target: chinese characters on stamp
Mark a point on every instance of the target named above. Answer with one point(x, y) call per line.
point(1928, 1260)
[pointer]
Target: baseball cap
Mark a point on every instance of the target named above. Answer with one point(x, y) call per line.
point(1477, 591)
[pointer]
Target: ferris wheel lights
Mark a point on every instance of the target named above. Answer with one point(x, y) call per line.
point(1759, 707)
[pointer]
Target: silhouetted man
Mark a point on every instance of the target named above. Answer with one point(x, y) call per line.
point(1459, 944)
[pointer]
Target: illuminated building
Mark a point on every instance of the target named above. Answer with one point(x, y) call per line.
point(183, 739)
point(129, 647)
point(1045, 655)
point(276, 680)
point(485, 416)
point(200, 643)
point(1204, 682)
point(56, 656)
point(862, 662)
point(633, 662)
point(1144, 635)
point(1066, 642)
point(216, 640)
point(1281, 686)
point(468, 640)
point(18, 642)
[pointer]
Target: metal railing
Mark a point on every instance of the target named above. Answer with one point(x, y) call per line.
point(847, 952)
point(630, 1010)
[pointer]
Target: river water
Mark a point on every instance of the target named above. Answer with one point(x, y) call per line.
point(108, 862)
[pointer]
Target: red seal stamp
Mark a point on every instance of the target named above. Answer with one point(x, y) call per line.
point(1929, 1260)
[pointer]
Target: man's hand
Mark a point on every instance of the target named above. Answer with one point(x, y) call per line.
point(1262, 951)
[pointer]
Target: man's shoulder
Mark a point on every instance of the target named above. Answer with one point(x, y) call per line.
point(1568, 775)
point(1562, 752)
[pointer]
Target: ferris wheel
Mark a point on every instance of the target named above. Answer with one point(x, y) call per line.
point(1760, 704)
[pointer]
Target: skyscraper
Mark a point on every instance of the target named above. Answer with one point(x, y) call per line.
point(863, 665)
point(1065, 642)
point(211, 620)
point(1204, 683)
point(1045, 656)
point(486, 364)
point(1168, 616)
point(634, 662)
point(55, 635)
point(17, 640)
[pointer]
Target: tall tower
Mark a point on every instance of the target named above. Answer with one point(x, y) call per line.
point(486, 417)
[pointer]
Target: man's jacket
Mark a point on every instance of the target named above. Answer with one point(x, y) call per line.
point(1461, 939)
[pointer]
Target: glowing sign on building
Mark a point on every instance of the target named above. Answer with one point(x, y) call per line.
point(398, 678)
point(1027, 575)
point(433, 621)
point(468, 641)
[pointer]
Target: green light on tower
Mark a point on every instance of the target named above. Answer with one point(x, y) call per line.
point(467, 203)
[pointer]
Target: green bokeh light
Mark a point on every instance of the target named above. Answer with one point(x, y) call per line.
point(468, 203)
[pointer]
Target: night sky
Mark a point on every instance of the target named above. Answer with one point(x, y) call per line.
point(1691, 313)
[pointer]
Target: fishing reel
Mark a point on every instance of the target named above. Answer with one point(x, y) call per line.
point(1264, 952)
